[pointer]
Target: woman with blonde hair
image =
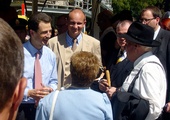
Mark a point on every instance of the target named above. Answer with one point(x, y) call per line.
point(78, 102)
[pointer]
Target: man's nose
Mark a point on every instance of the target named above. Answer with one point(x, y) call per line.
point(75, 25)
point(144, 22)
point(48, 34)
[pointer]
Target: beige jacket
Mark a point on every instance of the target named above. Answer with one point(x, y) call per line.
point(58, 45)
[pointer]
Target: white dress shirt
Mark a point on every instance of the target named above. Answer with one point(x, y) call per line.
point(151, 83)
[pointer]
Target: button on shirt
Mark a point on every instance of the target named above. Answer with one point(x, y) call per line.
point(48, 68)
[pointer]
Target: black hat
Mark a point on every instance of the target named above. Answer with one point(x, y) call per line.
point(19, 23)
point(141, 34)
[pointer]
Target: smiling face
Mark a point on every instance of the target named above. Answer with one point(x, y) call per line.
point(122, 28)
point(76, 23)
point(43, 34)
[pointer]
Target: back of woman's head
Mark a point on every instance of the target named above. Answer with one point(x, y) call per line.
point(84, 68)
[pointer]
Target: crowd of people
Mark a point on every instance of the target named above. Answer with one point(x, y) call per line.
point(62, 76)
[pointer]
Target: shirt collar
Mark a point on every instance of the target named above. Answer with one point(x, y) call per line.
point(33, 50)
point(69, 39)
point(138, 60)
point(156, 32)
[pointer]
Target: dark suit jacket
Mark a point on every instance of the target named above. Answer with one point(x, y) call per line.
point(120, 71)
point(163, 53)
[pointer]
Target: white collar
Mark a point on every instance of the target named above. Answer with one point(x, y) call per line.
point(156, 32)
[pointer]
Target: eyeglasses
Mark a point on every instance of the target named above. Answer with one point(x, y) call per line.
point(145, 20)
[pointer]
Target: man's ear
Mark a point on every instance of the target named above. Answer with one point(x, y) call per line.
point(31, 32)
point(19, 93)
point(85, 22)
point(158, 20)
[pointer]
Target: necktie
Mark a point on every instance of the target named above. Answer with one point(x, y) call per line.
point(37, 72)
point(120, 57)
point(74, 45)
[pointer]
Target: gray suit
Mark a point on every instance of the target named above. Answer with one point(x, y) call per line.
point(58, 45)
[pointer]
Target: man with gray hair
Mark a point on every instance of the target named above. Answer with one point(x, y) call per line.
point(151, 82)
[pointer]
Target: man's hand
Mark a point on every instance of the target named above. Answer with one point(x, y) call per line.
point(110, 91)
point(103, 85)
point(167, 108)
point(37, 94)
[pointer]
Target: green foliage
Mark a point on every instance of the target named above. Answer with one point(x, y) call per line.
point(135, 5)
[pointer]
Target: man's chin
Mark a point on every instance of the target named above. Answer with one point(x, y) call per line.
point(45, 41)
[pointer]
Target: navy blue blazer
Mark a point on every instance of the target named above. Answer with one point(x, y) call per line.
point(120, 71)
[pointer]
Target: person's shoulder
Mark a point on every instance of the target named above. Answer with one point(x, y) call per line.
point(99, 96)
point(164, 32)
point(164, 36)
point(155, 60)
point(151, 60)
point(48, 50)
point(26, 43)
point(111, 34)
point(46, 101)
point(88, 37)
point(56, 38)
point(25, 46)
point(53, 39)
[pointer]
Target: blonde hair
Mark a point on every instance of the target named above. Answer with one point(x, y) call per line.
point(84, 68)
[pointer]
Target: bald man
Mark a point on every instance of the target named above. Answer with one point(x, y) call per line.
point(62, 45)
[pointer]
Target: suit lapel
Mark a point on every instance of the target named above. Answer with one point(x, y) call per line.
point(158, 38)
point(61, 47)
point(85, 43)
point(160, 35)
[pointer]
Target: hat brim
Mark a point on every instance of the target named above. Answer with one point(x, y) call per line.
point(154, 43)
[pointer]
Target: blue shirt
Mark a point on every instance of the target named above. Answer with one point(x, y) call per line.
point(69, 40)
point(48, 68)
point(76, 104)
